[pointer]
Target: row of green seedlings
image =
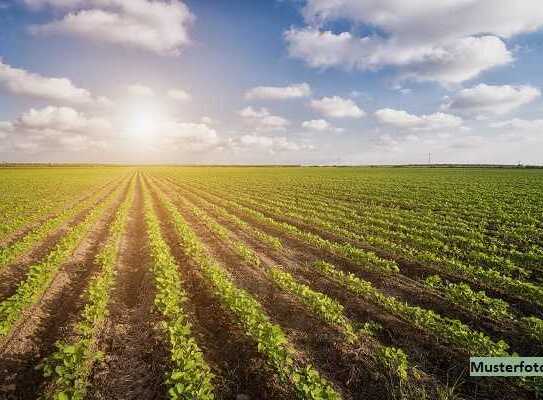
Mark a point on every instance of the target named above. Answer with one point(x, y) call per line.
point(479, 303)
point(405, 244)
point(449, 330)
point(270, 338)
point(40, 275)
point(10, 253)
point(39, 216)
point(271, 241)
point(393, 360)
point(32, 197)
point(493, 279)
point(190, 377)
point(366, 259)
point(414, 229)
point(519, 240)
point(452, 331)
point(368, 228)
point(70, 365)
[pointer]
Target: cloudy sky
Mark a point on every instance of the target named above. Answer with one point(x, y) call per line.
point(277, 81)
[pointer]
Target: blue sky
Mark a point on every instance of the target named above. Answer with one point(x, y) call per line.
point(313, 82)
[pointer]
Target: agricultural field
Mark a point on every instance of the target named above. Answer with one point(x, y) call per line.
point(268, 282)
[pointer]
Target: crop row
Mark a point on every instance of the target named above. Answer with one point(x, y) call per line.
point(40, 275)
point(11, 252)
point(69, 366)
point(190, 377)
point(476, 274)
point(446, 329)
point(271, 340)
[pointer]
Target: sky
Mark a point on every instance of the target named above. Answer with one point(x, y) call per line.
point(271, 81)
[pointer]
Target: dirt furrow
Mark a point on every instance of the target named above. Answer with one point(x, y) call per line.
point(21, 232)
point(136, 355)
point(241, 372)
point(12, 274)
point(52, 318)
point(349, 367)
point(402, 287)
point(423, 350)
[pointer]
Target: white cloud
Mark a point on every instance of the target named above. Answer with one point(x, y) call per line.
point(491, 99)
point(272, 144)
point(262, 120)
point(183, 135)
point(279, 93)
point(52, 129)
point(137, 89)
point(179, 95)
point(450, 62)
point(320, 125)
point(207, 120)
point(337, 107)
point(448, 41)
point(157, 26)
point(518, 124)
point(59, 120)
point(403, 120)
point(19, 81)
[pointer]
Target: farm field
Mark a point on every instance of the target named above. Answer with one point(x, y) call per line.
point(245, 283)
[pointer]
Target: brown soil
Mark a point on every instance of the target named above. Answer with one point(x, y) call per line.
point(422, 348)
point(240, 370)
point(50, 319)
point(11, 275)
point(349, 367)
point(399, 286)
point(20, 233)
point(136, 356)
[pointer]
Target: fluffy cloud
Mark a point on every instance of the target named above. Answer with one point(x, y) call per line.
point(52, 129)
point(137, 89)
point(179, 95)
point(19, 81)
point(272, 144)
point(491, 99)
point(58, 120)
point(403, 120)
point(448, 41)
point(518, 124)
point(262, 120)
point(278, 92)
point(157, 26)
point(320, 125)
point(337, 107)
point(188, 135)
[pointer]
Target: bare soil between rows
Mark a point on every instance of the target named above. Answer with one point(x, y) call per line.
point(11, 275)
point(240, 370)
point(136, 355)
point(349, 367)
point(52, 318)
point(429, 355)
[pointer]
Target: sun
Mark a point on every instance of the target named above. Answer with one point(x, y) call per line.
point(142, 121)
point(141, 124)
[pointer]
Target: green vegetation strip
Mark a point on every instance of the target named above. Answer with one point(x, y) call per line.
point(41, 275)
point(11, 252)
point(190, 377)
point(323, 306)
point(69, 366)
point(488, 277)
point(365, 259)
point(449, 330)
point(271, 340)
point(480, 304)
